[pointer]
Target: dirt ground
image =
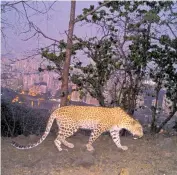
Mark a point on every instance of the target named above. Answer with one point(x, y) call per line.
point(150, 155)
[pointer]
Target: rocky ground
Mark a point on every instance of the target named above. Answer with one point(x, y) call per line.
point(151, 155)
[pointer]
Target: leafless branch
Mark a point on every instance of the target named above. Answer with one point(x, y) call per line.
point(44, 35)
point(35, 9)
point(171, 30)
point(31, 25)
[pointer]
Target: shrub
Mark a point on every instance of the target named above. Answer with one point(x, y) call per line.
point(17, 119)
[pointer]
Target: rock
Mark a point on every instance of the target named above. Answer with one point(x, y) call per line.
point(85, 160)
point(124, 171)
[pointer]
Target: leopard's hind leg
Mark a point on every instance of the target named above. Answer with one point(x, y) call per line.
point(66, 129)
point(94, 135)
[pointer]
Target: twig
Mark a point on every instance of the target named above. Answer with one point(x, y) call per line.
point(89, 13)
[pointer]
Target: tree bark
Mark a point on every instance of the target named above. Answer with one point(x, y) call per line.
point(170, 116)
point(165, 121)
point(154, 110)
point(65, 73)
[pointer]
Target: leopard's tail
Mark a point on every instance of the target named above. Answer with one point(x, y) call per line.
point(48, 127)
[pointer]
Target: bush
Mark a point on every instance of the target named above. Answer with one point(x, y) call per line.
point(17, 119)
point(9, 125)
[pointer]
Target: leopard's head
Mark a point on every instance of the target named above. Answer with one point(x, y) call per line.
point(136, 129)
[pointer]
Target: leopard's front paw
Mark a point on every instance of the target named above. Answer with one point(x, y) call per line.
point(89, 147)
point(70, 145)
point(124, 148)
point(59, 148)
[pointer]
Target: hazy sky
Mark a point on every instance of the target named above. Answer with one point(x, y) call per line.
point(54, 25)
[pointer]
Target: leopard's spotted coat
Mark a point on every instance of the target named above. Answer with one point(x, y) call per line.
point(98, 119)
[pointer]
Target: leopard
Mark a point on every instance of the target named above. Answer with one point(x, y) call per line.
point(95, 118)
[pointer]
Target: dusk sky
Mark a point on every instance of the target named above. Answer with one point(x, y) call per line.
point(53, 25)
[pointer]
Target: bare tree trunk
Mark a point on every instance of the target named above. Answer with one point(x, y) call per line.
point(154, 111)
point(65, 74)
point(171, 115)
point(165, 121)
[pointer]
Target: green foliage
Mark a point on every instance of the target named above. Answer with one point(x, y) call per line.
point(164, 74)
point(53, 57)
point(93, 77)
point(128, 42)
point(141, 50)
point(165, 58)
point(151, 17)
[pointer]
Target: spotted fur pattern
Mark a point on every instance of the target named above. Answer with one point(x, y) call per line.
point(98, 119)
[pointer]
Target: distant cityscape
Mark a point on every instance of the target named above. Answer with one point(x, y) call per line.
point(23, 76)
